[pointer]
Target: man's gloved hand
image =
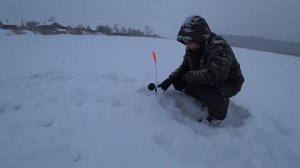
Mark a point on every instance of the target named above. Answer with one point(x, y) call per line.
point(179, 85)
point(165, 84)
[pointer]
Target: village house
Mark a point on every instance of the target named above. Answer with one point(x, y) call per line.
point(51, 28)
point(8, 26)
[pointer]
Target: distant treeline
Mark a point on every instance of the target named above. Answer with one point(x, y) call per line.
point(52, 27)
point(256, 43)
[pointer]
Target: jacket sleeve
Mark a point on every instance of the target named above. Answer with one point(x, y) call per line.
point(180, 71)
point(216, 70)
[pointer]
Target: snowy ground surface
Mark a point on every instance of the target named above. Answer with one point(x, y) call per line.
point(82, 101)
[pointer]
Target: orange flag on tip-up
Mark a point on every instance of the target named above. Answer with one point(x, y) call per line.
point(154, 57)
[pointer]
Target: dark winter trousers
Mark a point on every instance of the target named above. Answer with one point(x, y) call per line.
point(217, 104)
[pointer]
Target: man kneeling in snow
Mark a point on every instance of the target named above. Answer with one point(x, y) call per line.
point(209, 71)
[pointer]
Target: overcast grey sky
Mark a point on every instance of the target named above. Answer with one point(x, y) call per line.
point(273, 19)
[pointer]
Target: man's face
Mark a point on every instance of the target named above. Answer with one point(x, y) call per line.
point(192, 45)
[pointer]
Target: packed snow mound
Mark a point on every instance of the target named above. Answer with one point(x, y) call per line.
point(188, 110)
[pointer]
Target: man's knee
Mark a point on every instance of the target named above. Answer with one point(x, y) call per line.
point(202, 93)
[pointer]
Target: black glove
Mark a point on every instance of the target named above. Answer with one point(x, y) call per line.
point(165, 84)
point(179, 85)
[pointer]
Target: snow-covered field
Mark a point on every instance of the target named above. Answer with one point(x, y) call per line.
point(82, 101)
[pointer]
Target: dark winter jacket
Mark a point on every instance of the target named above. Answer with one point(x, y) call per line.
point(213, 65)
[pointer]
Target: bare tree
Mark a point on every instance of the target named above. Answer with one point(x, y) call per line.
point(104, 29)
point(116, 28)
point(148, 30)
point(80, 26)
point(22, 24)
point(123, 30)
point(51, 19)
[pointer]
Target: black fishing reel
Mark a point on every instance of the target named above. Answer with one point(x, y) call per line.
point(152, 87)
